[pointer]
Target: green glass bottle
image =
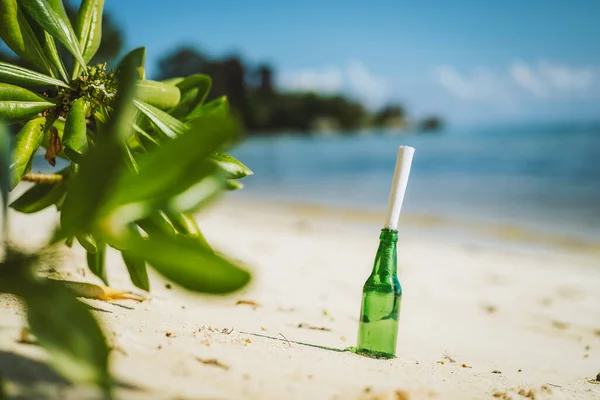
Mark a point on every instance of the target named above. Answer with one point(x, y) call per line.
point(382, 294)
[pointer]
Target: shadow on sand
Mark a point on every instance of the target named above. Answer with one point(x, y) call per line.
point(35, 380)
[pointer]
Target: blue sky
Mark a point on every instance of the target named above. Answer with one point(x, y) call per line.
point(469, 61)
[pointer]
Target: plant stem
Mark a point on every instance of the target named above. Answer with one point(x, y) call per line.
point(42, 178)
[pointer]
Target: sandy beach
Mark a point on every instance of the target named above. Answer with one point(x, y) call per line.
point(477, 321)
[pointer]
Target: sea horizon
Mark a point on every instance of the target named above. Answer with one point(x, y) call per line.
point(534, 176)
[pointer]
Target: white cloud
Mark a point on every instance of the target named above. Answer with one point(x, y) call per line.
point(354, 78)
point(525, 76)
point(543, 80)
point(554, 80)
point(481, 84)
point(365, 85)
point(326, 80)
point(568, 78)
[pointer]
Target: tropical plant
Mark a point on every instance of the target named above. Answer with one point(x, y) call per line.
point(138, 157)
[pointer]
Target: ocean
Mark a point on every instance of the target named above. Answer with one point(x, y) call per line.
point(540, 177)
point(544, 178)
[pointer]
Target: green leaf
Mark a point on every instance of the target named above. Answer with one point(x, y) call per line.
point(186, 225)
point(124, 115)
point(217, 106)
point(96, 261)
point(189, 263)
point(166, 124)
point(55, 22)
point(18, 103)
point(101, 165)
point(69, 241)
point(188, 152)
point(194, 90)
point(88, 27)
point(88, 189)
point(72, 155)
point(198, 195)
point(22, 76)
point(233, 167)
point(3, 395)
point(49, 47)
point(234, 185)
point(172, 81)
point(19, 36)
point(131, 159)
point(157, 222)
point(39, 197)
point(60, 202)
point(145, 134)
point(135, 58)
point(4, 178)
point(157, 94)
point(66, 329)
point(88, 242)
point(75, 134)
point(52, 51)
point(26, 144)
point(136, 266)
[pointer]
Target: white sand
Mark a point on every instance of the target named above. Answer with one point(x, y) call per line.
point(467, 311)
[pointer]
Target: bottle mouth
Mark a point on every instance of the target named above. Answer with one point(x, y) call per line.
point(389, 234)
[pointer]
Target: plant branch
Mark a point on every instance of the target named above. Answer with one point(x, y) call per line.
point(42, 178)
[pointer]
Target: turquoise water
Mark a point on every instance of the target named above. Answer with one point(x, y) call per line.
point(545, 177)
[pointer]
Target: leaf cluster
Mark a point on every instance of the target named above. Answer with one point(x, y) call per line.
point(141, 158)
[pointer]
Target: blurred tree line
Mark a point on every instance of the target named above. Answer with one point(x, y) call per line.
point(264, 109)
point(251, 90)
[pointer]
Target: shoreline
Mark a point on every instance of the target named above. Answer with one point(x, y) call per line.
point(506, 236)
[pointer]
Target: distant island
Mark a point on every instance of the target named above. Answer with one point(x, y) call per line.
point(265, 110)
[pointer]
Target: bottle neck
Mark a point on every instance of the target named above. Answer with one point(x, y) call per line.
point(386, 258)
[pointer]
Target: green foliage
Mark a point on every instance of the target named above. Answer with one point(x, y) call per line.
point(166, 124)
point(2, 392)
point(27, 142)
point(74, 138)
point(95, 257)
point(430, 124)
point(111, 38)
point(194, 90)
point(136, 266)
point(22, 76)
point(142, 155)
point(54, 20)
point(39, 197)
point(17, 103)
point(5, 160)
point(68, 331)
point(18, 35)
point(391, 115)
point(89, 27)
point(158, 94)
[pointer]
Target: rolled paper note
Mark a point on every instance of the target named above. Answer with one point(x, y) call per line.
point(401, 173)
